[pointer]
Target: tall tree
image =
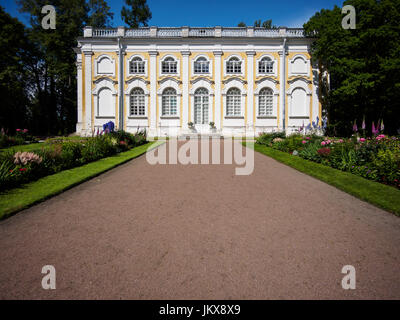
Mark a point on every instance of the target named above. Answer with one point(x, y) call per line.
point(136, 14)
point(51, 65)
point(14, 110)
point(363, 64)
point(99, 14)
point(241, 24)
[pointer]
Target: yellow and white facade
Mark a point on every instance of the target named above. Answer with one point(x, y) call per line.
point(244, 80)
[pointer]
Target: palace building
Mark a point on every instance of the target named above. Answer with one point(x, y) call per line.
point(244, 80)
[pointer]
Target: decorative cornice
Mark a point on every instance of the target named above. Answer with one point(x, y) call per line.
point(200, 79)
point(218, 53)
point(104, 78)
point(233, 79)
point(137, 78)
point(88, 52)
point(267, 79)
point(169, 78)
point(299, 78)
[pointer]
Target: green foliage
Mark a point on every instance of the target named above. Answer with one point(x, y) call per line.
point(267, 138)
point(378, 194)
point(363, 64)
point(136, 14)
point(241, 24)
point(40, 78)
point(64, 153)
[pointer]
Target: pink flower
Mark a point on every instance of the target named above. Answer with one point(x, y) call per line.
point(18, 130)
point(25, 130)
point(340, 140)
point(323, 143)
point(362, 139)
point(308, 138)
point(304, 141)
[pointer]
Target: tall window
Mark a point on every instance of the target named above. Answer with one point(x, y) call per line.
point(265, 105)
point(201, 106)
point(233, 102)
point(201, 65)
point(169, 107)
point(136, 66)
point(233, 65)
point(266, 65)
point(169, 65)
point(137, 105)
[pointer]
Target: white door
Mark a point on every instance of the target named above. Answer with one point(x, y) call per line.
point(201, 109)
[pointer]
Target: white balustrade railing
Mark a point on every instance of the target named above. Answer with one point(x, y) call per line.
point(146, 32)
point(137, 33)
point(169, 32)
point(267, 33)
point(201, 32)
point(234, 32)
point(103, 33)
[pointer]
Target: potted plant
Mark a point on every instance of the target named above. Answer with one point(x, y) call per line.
point(191, 126)
point(212, 127)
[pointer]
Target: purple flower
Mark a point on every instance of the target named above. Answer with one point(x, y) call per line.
point(355, 128)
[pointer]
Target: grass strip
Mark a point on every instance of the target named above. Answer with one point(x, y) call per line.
point(14, 200)
point(378, 194)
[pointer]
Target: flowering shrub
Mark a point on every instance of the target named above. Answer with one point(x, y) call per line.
point(24, 158)
point(376, 158)
point(60, 154)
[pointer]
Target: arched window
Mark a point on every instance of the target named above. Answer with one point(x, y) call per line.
point(169, 65)
point(169, 106)
point(233, 102)
point(136, 66)
point(201, 65)
point(265, 105)
point(266, 65)
point(201, 106)
point(233, 65)
point(137, 105)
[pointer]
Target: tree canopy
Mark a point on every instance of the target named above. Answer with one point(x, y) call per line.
point(363, 64)
point(136, 14)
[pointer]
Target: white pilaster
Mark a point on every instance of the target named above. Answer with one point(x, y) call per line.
point(250, 89)
point(153, 92)
point(88, 92)
point(185, 88)
point(282, 93)
point(217, 59)
point(79, 90)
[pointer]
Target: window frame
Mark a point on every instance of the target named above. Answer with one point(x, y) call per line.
point(140, 98)
point(128, 66)
point(236, 98)
point(242, 66)
point(176, 61)
point(270, 97)
point(207, 60)
point(163, 95)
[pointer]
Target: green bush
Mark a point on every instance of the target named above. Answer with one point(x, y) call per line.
point(267, 138)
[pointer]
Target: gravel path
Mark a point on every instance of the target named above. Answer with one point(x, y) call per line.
point(201, 232)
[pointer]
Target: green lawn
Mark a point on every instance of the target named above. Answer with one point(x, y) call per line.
point(376, 193)
point(14, 200)
point(27, 147)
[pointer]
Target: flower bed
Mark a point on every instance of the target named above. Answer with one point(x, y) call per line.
point(376, 158)
point(21, 137)
point(60, 154)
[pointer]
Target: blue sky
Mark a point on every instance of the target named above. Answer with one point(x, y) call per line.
point(209, 13)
